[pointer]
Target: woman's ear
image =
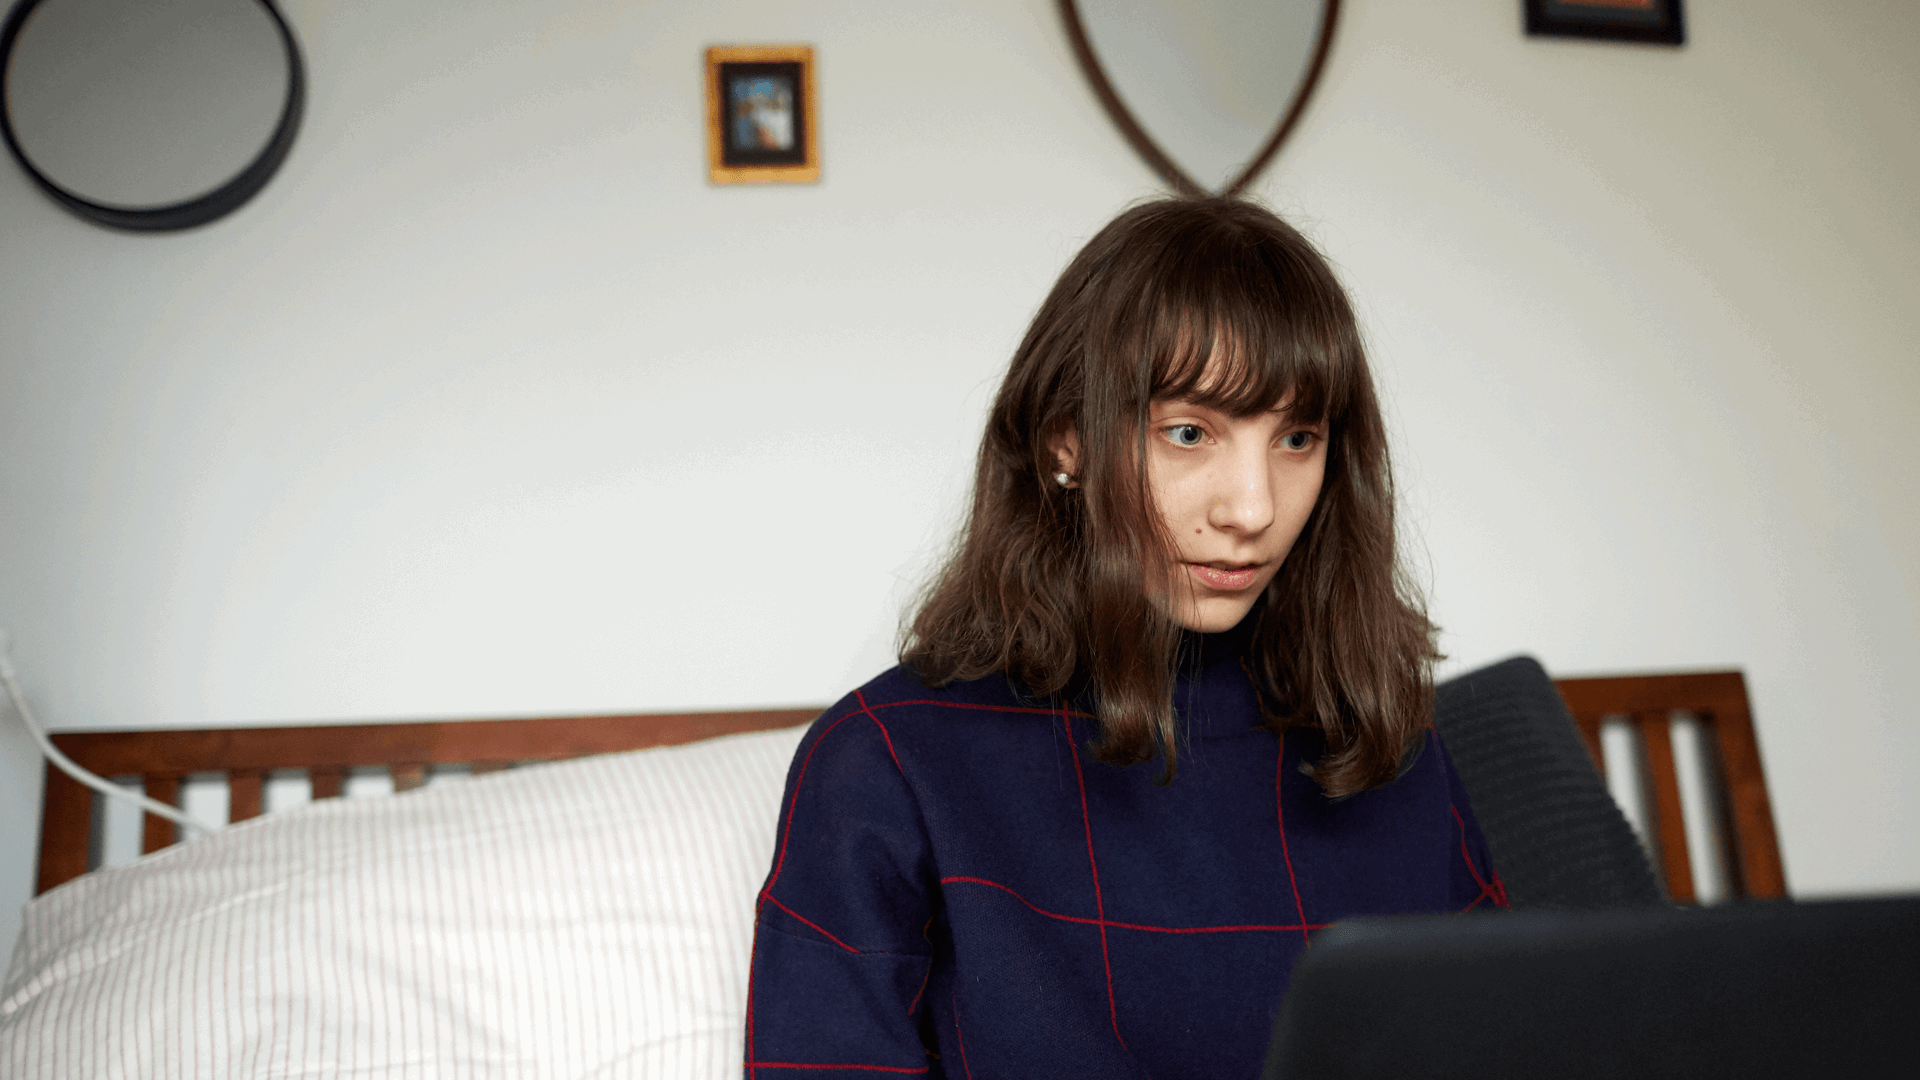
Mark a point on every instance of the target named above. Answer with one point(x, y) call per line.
point(1065, 447)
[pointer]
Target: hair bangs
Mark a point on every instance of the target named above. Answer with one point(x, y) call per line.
point(1239, 334)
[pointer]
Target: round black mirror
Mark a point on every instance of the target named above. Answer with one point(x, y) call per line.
point(149, 114)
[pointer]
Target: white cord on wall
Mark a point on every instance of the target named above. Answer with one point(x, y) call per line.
point(66, 765)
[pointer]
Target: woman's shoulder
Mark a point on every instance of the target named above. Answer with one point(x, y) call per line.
point(902, 704)
point(901, 691)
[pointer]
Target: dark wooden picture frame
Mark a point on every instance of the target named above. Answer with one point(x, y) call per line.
point(1657, 22)
point(762, 126)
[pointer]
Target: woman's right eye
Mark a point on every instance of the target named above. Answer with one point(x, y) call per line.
point(1185, 434)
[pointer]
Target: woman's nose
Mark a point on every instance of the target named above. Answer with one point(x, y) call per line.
point(1243, 495)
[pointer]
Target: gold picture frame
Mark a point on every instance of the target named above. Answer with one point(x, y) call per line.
point(762, 127)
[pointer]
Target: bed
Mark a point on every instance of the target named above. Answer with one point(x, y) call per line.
point(580, 905)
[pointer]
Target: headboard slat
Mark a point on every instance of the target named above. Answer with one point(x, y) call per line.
point(157, 832)
point(243, 794)
point(326, 782)
point(66, 822)
point(408, 776)
point(1669, 822)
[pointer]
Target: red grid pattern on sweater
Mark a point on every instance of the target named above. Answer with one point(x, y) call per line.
point(961, 1039)
point(1493, 890)
point(1280, 816)
point(1489, 890)
point(1118, 925)
point(1099, 905)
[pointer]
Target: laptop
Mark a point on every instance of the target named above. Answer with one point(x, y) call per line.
point(1755, 991)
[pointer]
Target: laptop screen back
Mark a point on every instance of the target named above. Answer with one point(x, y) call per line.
point(1753, 991)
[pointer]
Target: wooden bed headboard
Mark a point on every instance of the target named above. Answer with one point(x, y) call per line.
point(326, 753)
point(1743, 812)
point(162, 759)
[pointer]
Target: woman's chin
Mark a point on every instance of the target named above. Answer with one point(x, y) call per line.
point(1213, 614)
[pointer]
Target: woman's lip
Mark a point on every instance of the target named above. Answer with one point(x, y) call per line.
point(1224, 580)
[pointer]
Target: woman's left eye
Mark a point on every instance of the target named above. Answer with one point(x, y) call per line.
point(1297, 440)
point(1185, 434)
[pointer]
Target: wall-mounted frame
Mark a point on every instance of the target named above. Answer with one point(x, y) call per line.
point(762, 127)
point(1658, 22)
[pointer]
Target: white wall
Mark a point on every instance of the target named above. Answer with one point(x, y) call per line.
point(490, 405)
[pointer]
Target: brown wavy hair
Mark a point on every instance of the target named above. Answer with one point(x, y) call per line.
point(1220, 302)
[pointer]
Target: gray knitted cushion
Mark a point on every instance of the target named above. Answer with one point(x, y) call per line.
point(1557, 838)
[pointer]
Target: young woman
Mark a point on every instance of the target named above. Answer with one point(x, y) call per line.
point(1164, 713)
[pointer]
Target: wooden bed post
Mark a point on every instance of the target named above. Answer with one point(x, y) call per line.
point(66, 817)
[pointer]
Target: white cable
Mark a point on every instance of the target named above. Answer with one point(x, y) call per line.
point(105, 787)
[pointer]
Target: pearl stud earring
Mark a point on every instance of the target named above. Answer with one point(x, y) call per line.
point(1063, 479)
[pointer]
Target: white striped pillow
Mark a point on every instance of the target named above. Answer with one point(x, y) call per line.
point(589, 918)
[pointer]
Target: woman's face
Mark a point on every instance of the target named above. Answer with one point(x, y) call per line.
point(1234, 493)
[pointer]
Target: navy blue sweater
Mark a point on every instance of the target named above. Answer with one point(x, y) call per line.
point(960, 890)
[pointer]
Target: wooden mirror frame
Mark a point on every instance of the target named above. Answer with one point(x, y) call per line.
point(198, 210)
point(1149, 150)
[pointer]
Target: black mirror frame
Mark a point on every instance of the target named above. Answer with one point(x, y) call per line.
point(1150, 151)
point(199, 210)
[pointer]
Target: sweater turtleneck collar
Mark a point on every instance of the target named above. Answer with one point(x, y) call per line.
point(1199, 651)
point(1212, 693)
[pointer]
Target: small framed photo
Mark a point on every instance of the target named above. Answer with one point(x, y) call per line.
point(761, 123)
point(1659, 22)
